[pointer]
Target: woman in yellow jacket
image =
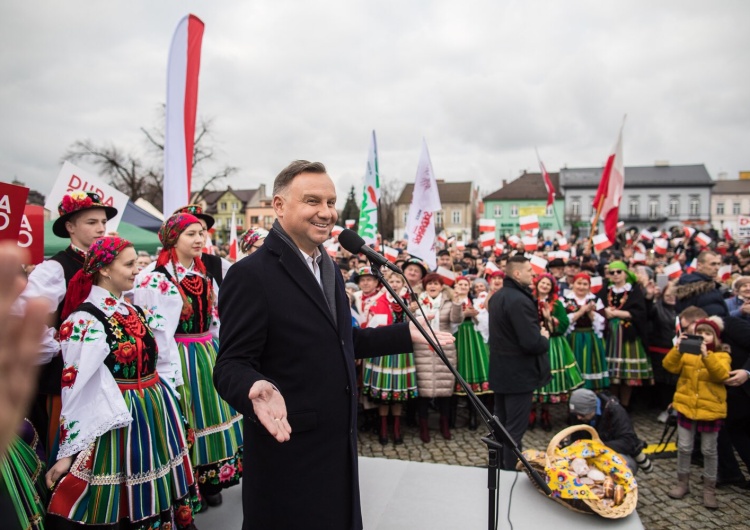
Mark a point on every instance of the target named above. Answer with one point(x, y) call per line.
point(701, 404)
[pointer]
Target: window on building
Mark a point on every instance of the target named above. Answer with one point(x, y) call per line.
point(254, 220)
point(633, 208)
point(218, 222)
point(695, 206)
point(267, 221)
point(719, 208)
point(456, 217)
point(592, 208)
point(674, 207)
point(550, 210)
point(735, 208)
point(223, 206)
point(240, 221)
point(439, 219)
point(406, 217)
point(498, 210)
point(514, 210)
point(653, 208)
point(235, 206)
point(575, 208)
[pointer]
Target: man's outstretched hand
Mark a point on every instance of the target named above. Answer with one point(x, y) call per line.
point(270, 408)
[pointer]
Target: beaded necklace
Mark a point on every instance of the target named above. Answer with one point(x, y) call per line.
point(133, 326)
point(611, 302)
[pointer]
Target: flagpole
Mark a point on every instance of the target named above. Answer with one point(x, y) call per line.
point(595, 222)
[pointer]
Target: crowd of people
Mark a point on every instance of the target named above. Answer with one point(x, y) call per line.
point(155, 370)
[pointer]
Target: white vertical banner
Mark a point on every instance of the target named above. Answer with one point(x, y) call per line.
point(368, 212)
point(425, 202)
point(233, 250)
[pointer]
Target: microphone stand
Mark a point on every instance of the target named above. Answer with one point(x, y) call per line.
point(497, 436)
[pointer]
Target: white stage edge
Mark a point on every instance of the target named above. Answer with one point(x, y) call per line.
point(404, 495)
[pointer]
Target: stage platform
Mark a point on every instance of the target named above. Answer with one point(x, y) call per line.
point(397, 495)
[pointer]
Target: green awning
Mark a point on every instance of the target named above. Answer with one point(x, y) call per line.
point(141, 239)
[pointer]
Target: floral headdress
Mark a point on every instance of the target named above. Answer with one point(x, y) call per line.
point(252, 236)
point(197, 211)
point(173, 227)
point(102, 252)
point(78, 201)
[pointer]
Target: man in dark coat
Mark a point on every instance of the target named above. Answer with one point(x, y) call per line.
point(519, 362)
point(286, 361)
point(700, 288)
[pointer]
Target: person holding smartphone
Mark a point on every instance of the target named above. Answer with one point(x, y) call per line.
point(700, 401)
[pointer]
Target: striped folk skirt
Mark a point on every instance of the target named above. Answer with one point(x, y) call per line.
point(214, 428)
point(22, 483)
point(591, 357)
point(390, 378)
point(565, 374)
point(473, 359)
point(628, 361)
point(136, 477)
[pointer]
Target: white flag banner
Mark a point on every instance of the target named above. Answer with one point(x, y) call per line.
point(368, 211)
point(425, 202)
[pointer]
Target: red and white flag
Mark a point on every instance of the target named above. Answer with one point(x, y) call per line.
point(639, 257)
point(487, 225)
point(538, 264)
point(629, 238)
point(390, 253)
point(601, 242)
point(529, 243)
point(673, 270)
point(499, 248)
point(336, 230)
point(547, 182)
point(703, 239)
point(461, 245)
point(233, 239)
point(514, 240)
point(529, 222)
point(693, 265)
point(487, 239)
point(660, 246)
point(562, 243)
point(725, 273)
point(645, 235)
point(332, 249)
point(490, 268)
point(596, 284)
point(448, 276)
point(689, 231)
point(209, 248)
point(609, 193)
point(182, 102)
point(350, 223)
point(424, 203)
point(728, 234)
point(442, 237)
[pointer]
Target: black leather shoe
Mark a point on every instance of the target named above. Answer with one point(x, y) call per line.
point(214, 500)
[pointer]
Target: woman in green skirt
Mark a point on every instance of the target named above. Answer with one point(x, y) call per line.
point(23, 493)
point(565, 374)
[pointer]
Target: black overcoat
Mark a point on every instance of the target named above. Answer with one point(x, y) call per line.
point(519, 359)
point(276, 325)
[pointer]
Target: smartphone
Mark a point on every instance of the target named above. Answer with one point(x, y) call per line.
point(691, 344)
point(662, 280)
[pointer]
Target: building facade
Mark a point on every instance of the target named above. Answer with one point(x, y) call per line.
point(457, 217)
point(655, 197)
point(729, 199)
point(251, 207)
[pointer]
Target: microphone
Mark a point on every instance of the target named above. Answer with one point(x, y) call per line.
point(351, 241)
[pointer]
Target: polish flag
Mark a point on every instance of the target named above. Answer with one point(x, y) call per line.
point(693, 265)
point(460, 245)
point(487, 225)
point(601, 241)
point(233, 239)
point(514, 240)
point(450, 241)
point(490, 268)
point(609, 193)
point(689, 231)
point(676, 242)
point(529, 243)
point(629, 238)
point(332, 249)
point(538, 264)
point(640, 247)
point(728, 234)
point(673, 270)
point(562, 254)
point(645, 235)
point(725, 273)
point(639, 257)
point(547, 182)
point(487, 239)
point(660, 246)
point(703, 239)
point(562, 244)
point(336, 230)
point(449, 277)
point(390, 253)
point(499, 247)
point(183, 67)
point(529, 222)
point(350, 223)
point(442, 237)
point(596, 284)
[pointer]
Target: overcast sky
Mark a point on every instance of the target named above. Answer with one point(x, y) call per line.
point(483, 81)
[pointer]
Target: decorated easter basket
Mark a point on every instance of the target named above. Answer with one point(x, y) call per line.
point(553, 466)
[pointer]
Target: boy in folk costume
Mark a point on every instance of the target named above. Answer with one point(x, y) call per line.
point(83, 218)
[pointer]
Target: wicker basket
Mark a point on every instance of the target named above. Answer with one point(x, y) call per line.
point(580, 505)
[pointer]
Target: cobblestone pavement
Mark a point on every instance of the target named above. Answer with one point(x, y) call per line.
point(656, 510)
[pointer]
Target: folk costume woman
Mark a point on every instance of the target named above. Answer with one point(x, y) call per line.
point(180, 291)
point(252, 240)
point(586, 332)
point(625, 311)
point(389, 380)
point(472, 351)
point(565, 374)
point(123, 457)
point(434, 379)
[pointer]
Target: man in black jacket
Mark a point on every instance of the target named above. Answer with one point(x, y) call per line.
point(700, 287)
point(519, 363)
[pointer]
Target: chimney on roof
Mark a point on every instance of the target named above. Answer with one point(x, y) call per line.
point(661, 163)
point(504, 182)
point(723, 175)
